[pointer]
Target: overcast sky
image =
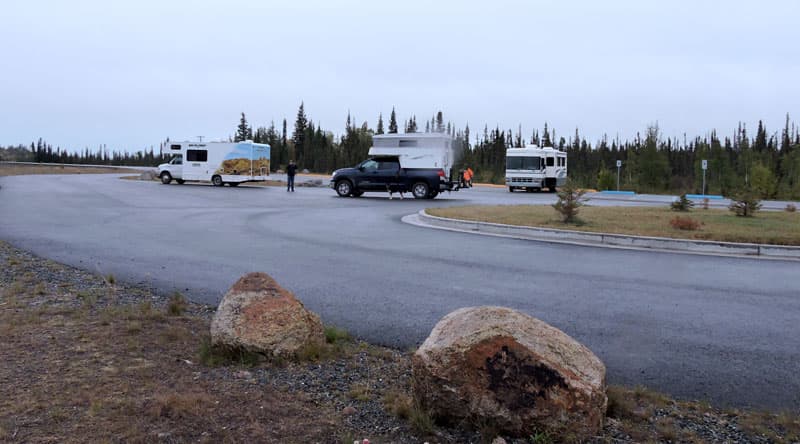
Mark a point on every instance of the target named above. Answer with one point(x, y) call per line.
point(130, 73)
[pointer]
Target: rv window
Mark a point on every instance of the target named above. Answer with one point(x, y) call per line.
point(522, 163)
point(406, 143)
point(196, 155)
point(175, 147)
point(551, 161)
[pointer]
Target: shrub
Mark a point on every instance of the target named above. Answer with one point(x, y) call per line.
point(605, 180)
point(570, 199)
point(177, 304)
point(705, 203)
point(684, 223)
point(682, 204)
point(745, 203)
point(791, 208)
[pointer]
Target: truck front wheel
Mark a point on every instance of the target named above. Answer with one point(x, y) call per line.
point(420, 190)
point(217, 181)
point(166, 178)
point(344, 188)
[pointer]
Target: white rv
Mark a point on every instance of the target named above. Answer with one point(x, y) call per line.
point(534, 168)
point(219, 162)
point(417, 150)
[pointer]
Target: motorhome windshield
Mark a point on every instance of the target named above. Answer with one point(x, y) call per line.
point(523, 163)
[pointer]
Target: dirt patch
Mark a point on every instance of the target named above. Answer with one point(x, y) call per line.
point(85, 359)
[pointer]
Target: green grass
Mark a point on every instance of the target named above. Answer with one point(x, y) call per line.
point(767, 227)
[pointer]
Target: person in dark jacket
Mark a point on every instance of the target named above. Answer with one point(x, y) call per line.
point(291, 170)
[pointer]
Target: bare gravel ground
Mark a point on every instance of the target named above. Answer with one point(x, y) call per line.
point(86, 358)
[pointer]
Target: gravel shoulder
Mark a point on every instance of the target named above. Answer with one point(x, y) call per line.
point(88, 358)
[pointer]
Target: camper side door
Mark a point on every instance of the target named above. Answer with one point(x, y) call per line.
point(195, 164)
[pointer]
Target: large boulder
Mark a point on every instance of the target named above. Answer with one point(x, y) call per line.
point(497, 366)
point(259, 315)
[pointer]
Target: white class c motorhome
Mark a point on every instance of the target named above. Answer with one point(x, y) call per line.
point(221, 163)
point(534, 168)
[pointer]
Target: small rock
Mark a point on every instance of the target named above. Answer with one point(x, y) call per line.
point(349, 410)
point(499, 440)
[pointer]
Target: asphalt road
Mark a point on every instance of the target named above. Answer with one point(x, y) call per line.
point(718, 328)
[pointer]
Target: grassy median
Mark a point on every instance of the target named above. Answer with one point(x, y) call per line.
point(767, 227)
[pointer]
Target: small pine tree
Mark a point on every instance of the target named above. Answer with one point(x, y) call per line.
point(570, 199)
point(745, 203)
point(681, 204)
point(605, 179)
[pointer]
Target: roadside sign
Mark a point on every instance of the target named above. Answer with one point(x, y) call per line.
point(619, 163)
point(705, 164)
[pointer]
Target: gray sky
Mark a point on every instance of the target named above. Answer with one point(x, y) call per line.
point(129, 74)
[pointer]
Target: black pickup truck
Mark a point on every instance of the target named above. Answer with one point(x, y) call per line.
point(386, 174)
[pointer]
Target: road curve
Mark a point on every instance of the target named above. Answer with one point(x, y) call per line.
point(717, 328)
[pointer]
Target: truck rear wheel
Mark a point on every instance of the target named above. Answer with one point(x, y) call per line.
point(166, 178)
point(217, 181)
point(344, 188)
point(420, 190)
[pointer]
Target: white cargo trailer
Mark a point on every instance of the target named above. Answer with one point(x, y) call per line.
point(534, 168)
point(221, 163)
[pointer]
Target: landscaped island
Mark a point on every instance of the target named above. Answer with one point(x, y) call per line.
point(768, 227)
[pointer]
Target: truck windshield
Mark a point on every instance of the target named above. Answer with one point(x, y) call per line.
point(523, 163)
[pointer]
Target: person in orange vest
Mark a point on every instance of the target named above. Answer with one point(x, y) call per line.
point(470, 174)
point(464, 178)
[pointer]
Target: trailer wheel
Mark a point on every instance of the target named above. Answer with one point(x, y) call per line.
point(420, 190)
point(166, 178)
point(344, 188)
point(180, 181)
point(217, 181)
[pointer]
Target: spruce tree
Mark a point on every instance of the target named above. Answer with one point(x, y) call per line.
point(439, 122)
point(243, 131)
point(393, 122)
point(299, 135)
point(379, 130)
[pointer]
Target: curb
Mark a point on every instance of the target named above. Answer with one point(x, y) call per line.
point(756, 251)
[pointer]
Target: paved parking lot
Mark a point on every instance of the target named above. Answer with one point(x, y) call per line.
point(707, 327)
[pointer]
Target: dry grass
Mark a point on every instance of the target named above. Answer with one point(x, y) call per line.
point(7, 169)
point(767, 227)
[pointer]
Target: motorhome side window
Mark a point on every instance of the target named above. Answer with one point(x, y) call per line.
point(522, 163)
point(551, 161)
point(196, 156)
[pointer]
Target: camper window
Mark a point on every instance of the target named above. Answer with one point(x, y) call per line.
point(175, 147)
point(196, 156)
point(551, 161)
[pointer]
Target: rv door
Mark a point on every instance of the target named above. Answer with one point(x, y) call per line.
point(195, 165)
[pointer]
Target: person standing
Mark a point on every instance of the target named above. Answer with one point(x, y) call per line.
point(291, 170)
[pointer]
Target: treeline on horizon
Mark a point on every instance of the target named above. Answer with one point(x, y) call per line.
point(768, 163)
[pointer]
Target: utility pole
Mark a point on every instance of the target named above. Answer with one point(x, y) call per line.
point(619, 165)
